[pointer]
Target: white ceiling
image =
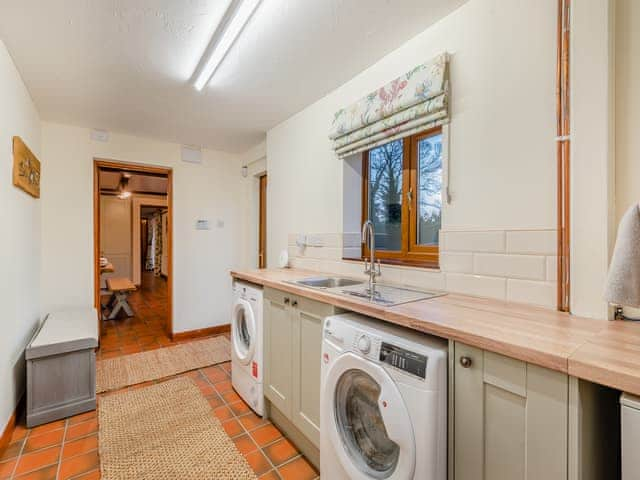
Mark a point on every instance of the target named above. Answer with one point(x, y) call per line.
point(125, 65)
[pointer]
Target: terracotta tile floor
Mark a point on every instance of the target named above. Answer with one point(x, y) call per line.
point(68, 449)
point(146, 330)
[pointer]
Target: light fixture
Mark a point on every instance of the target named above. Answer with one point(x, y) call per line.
point(238, 15)
point(245, 171)
point(123, 193)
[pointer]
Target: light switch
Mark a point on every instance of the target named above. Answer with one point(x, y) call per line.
point(202, 224)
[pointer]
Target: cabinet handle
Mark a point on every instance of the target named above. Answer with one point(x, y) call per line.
point(294, 303)
point(465, 362)
point(286, 300)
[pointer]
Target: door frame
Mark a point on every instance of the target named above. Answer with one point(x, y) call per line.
point(262, 221)
point(99, 164)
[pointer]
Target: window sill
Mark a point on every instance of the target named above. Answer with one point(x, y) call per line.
point(400, 263)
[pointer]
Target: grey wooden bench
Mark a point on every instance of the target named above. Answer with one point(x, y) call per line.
point(61, 366)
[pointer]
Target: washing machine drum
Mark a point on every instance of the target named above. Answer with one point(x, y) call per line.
point(243, 331)
point(372, 431)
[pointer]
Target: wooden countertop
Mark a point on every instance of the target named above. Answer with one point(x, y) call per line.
point(602, 352)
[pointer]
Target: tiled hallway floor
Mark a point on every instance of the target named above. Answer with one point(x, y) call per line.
point(146, 330)
point(68, 449)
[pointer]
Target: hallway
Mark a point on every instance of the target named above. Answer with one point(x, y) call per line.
point(147, 329)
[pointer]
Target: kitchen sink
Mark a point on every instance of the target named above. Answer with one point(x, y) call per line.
point(328, 282)
point(384, 295)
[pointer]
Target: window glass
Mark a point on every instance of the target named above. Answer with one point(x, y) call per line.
point(429, 200)
point(385, 194)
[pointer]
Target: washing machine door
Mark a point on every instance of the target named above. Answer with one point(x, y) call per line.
point(243, 331)
point(369, 424)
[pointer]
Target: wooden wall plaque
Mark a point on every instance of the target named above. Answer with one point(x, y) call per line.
point(26, 168)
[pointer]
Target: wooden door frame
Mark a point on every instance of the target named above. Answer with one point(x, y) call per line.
point(99, 164)
point(563, 157)
point(262, 221)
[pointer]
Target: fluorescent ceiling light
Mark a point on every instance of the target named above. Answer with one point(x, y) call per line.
point(234, 26)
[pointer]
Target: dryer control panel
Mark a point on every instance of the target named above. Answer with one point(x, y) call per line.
point(404, 360)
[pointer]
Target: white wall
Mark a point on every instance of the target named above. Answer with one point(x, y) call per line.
point(19, 236)
point(201, 259)
point(627, 104)
point(502, 148)
point(592, 124)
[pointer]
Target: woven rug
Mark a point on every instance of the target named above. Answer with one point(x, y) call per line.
point(165, 431)
point(119, 372)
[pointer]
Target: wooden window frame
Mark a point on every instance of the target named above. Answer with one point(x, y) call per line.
point(412, 253)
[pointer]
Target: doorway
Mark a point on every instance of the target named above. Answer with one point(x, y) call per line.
point(133, 255)
point(262, 229)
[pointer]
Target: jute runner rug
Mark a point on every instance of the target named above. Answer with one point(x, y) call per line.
point(165, 431)
point(119, 372)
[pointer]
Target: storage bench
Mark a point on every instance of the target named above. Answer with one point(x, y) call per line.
point(61, 366)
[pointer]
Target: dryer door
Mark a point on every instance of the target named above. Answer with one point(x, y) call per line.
point(369, 424)
point(243, 331)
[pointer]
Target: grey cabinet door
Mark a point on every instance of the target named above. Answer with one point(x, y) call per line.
point(278, 350)
point(510, 418)
point(307, 351)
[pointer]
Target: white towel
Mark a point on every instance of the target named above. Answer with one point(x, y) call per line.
point(623, 282)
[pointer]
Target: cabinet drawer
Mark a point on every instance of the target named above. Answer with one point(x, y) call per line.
point(278, 296)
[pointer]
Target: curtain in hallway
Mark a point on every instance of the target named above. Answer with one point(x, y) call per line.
point(154, 245)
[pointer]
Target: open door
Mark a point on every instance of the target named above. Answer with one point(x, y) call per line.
point(262, 241)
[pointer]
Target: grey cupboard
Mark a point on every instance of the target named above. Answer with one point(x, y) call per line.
point(293, 343)
point(509, 419)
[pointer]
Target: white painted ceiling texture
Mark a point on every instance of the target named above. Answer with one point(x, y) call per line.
point(126, 65)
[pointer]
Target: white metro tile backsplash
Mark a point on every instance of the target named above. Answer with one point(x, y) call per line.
point(542, 242)
point(513, 265)
point(472, 241)
point(510, 266)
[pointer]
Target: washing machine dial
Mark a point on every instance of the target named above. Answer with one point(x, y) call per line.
point(364, 344)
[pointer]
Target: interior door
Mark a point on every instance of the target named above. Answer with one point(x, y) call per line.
point(262, 241)
point(115, 234)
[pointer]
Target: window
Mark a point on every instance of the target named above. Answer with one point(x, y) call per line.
point(402, 195)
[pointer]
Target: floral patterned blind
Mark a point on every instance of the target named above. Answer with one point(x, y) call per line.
point(414, 102)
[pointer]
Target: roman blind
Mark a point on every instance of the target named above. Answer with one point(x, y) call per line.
point(414, 102)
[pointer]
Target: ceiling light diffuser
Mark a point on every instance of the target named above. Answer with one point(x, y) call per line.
point(232, 29)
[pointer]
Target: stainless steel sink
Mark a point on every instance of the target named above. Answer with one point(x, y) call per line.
point(385, 295)
point(328, 282)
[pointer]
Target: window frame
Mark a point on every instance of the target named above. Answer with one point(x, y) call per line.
point(411, 253)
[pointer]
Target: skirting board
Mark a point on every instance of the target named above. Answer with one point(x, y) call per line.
point(7, 433)
point(202, 332)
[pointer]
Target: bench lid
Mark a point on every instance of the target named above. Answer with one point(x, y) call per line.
point(65, 331)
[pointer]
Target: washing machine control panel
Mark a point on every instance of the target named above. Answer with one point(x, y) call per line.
point(404, 360)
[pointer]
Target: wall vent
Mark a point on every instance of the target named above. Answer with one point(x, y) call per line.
point(191, 154)
point(99, 135)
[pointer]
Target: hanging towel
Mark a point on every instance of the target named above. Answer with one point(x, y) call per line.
point(623, 282)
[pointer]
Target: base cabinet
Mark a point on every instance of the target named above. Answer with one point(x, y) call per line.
point(510, 418)
point(293, 345)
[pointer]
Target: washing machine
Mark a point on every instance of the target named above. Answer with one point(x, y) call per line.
point(383, 411)
point(246, 345)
